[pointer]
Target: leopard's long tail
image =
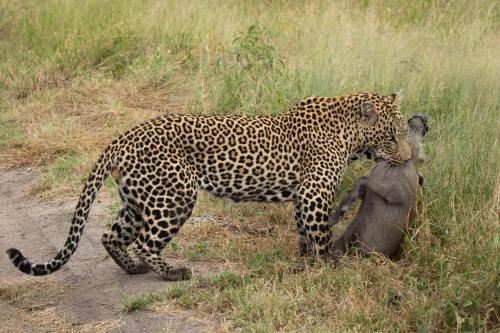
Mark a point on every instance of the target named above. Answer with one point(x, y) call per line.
point(99, 173)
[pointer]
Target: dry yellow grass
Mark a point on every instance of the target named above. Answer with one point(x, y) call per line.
point(83, 118)
point(47, 320)
point(31, 308)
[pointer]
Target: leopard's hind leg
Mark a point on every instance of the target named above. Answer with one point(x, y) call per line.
point(121, 234)
point(166, 208)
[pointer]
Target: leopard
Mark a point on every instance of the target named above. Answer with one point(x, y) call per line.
point(299, 156)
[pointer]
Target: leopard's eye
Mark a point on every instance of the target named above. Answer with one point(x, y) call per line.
point(391, 137)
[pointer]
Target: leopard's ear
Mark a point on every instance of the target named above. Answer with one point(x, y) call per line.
point(396, 97)
point(369, 113)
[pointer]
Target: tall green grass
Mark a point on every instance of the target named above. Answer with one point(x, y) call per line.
point(256, 58)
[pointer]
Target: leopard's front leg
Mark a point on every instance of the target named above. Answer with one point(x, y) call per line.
point(315, 198)
point(305, 248)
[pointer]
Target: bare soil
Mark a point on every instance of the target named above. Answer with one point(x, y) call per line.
point(92, 285)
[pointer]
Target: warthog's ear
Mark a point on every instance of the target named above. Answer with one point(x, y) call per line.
point(369, 113)
point(396, 97)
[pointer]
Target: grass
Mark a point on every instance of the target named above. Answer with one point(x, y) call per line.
point(196, 251)
point(225, 280)
point(31, 294)
point(112, 210)
point(74, 74)
point(32, 307)
point(9, 133)
point(141, 302)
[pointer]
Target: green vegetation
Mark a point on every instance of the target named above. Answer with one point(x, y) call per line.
point(196, 251)
point(75, 73)
point(112, 210)
point(64, 172)
point(227, 280)
point(9, 132)
point(140, 302)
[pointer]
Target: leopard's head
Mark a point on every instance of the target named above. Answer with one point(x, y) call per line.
point(383, 130)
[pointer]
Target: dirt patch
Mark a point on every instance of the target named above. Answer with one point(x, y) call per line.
point(85, 295)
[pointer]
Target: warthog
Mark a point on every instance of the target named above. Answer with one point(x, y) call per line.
point(387, 195)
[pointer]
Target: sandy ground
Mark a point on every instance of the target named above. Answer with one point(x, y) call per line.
point(92, 284)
